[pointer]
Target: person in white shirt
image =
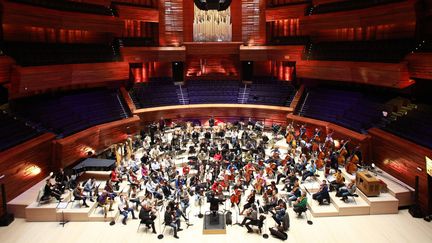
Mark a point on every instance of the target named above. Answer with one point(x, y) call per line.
point(125, 209)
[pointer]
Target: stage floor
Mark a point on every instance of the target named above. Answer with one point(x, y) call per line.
point(369, 228)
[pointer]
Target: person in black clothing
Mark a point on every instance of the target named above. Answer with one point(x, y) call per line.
point(171, 221)
point(147, 217)
point(250, 201)
point(50, 191)
point(214, 203)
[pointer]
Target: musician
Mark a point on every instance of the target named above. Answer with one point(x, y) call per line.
point(110, 189)
point(78, 194)
point(295, 192)
point(89, 186)
point(270, 200)
point(310, 170)
point(347, 190)
point(250, 201)
point(147, 216)
point(300, 204)
point(171, 220)
point(302, 130)
point(184, 199)
point(103, 201)
point(51, 191)
point(114, 178)
point(279, 213)
point(214, 202)
point(250, 218)
point(125, 209)
point(338, 182)
point(322, 194)
point(211, 121)
point(62, 180)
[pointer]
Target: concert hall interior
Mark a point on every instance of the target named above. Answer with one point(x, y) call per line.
point(215, 120)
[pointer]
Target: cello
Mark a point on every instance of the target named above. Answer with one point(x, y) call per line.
point(351, 166)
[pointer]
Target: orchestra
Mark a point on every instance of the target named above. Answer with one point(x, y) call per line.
point(226, 164)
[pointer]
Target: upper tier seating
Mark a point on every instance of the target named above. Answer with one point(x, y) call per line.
point(350, 109)
point(271, 92)
point(14, 131)
point(159, 92)
point(415, 125)
point(39, 54)
point(202, 92)
point(71, 113)
point(347, 5)
point(363, 51)
point(69, 6)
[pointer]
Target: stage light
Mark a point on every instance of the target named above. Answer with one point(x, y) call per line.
point(31, 170)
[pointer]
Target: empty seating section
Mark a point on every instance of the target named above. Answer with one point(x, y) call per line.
point(350, 109)
point(348, 5)
point(69, 6)
point(415, 125)
point(271, 92)
point(14, 131)
point(392, 51)
point(205, 92)
point(38, 54)
point(68, 114)
point(154, 93)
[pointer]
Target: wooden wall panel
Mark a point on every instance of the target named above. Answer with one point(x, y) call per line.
point(137, 13)
point(261, 112)
point(26, 15)
point(236, 20)
point(420, 65)
point(401, 159)
point(105, 3)
point(388, 14)
point(285, 12)
point(73, 148)
point(5, 68)
point(28, 80)
point(157, 54)
point(274, 53)
point(15, 161)
point(253, 22)
point(381, 74)
point(188, 18)
point(171, 22)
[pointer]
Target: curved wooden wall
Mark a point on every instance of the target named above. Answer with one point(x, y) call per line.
point(70, 149)
point(402, 159)
point(16, 162)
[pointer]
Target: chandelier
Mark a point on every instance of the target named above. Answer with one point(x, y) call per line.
point(219, 5)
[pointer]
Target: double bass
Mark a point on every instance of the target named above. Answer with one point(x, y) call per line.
point(351, 165)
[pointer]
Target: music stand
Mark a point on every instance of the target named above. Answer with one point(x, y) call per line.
point(62, 206)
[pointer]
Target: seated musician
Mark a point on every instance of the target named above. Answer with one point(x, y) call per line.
point(104, 201)
point(78, 194)
point(347, 190)
point(270, 200)
point(62, 180)
point(110, 189)
point(279, 213)
point(125, 209)
point(89, 186)
point(294, 193)
point(322, 193)
point(218, 156)
point(300, 204)
point(171, 221)
point(290, 181)
point(185, 169)
point(338, 182)
point(283, 174)
point(166, 189)
point(250, 218)
point(151, 187)
point(133, 163)
point(249, 201)
point(310, 170)
point(51, 191)
point(147, 216)
point(114, 177)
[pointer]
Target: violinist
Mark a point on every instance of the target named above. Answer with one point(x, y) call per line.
point(125, 209)
point(300, 204)
point(322, 193)
point(310, 170)
point(147, 215)
point(338, 182)
point(171, 220)
point(249, 201)
point(250, 218)
point(294, 193)
point(78, 194)
point(270, 200)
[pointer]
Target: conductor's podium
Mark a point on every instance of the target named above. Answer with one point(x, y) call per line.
point(214, 224)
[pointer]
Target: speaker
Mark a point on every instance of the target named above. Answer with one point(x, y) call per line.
point(247, 70)
point(415, 209)
point(177, 71)
point(6, 218)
